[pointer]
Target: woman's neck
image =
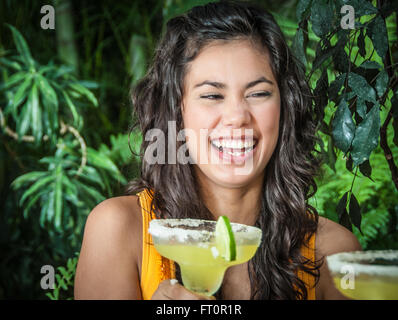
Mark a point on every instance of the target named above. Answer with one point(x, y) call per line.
point(240, 205)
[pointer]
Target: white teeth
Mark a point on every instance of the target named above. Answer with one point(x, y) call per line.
point(233, 144)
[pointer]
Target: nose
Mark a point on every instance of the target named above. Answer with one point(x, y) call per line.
point(235, 114)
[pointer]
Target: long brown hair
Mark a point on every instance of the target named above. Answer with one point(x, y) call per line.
point(286, 218)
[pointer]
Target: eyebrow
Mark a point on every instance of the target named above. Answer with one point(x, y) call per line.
point(220, 85)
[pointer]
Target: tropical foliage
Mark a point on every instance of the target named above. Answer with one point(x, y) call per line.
point(65, 116)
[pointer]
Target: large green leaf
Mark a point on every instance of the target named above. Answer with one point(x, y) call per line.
point(22, 46)
point(343, 127)
point(321, 16)
point(298, 47)
point(39, 184)
point(302, 8)
point(366, 136)
point(37, 128)
point(360, 87)
point(378, 34)
point(27, 177)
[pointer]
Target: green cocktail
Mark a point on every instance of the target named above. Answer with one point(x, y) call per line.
point(191, 243)
point(366, 275)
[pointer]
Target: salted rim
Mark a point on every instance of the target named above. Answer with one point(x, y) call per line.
point(159, 229)
point(338, 261)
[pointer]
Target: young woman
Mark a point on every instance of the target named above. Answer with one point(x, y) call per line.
point(224, 74)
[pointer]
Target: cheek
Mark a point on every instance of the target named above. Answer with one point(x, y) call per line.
point(268, 122)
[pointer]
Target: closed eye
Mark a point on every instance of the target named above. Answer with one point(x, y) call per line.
point(260, 94)
point(212, 96)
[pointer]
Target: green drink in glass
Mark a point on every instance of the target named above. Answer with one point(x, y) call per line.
point(366, 275)
point(192, 244)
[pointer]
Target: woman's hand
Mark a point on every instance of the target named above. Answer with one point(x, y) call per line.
point(168, 290)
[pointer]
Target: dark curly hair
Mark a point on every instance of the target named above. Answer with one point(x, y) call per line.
point(286, 218)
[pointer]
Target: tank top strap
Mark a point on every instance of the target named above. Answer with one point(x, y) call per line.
point(154, 267)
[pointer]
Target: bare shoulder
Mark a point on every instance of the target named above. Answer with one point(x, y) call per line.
point(108, 266)
point(331, 238)
point(115, 214)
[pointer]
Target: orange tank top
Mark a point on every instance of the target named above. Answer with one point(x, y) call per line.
point(156, 268)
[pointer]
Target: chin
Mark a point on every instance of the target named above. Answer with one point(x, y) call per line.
point(229, 179)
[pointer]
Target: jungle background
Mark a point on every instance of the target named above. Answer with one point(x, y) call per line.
point(65, 115)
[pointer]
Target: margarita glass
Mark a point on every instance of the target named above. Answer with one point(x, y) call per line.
point(191, 243)
point(366, 275)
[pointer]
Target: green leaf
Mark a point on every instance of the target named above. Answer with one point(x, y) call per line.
point(321, 17)
point(366, 169)
point(43, 182)
point(302, 8)
point(361, 43)
point(24, 121)
point(21, 46)
point(47, 91)
point(92, 175)
point(395, 128)
point(98, 159)
point(49, 214)
point(361, 107)
point(298, 47)
point(341, 206)
point(336, 86)
point(355, 212)
point(361, 88)
point(381, 83)
point(32, 201)
point(71, 192)
point(13, 80)
point(45, 209)
point(344, 220)
point(394, 106)
point(343, 127)
point(370, 65)
point(85, 92)
point(36, 114)
point(378, 34)
point(22, 92)
point(58, 201)
point(366, 136)
point(63, 271)
point(27, 177)
point(72, 108)
point(11, 64)
point(98, 197)
point(322, 54)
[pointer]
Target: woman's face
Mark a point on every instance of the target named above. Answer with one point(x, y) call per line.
point(230, 110)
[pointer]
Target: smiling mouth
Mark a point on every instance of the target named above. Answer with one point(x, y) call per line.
point(235, 148)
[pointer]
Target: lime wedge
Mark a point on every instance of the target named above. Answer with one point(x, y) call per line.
point(225, 239)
